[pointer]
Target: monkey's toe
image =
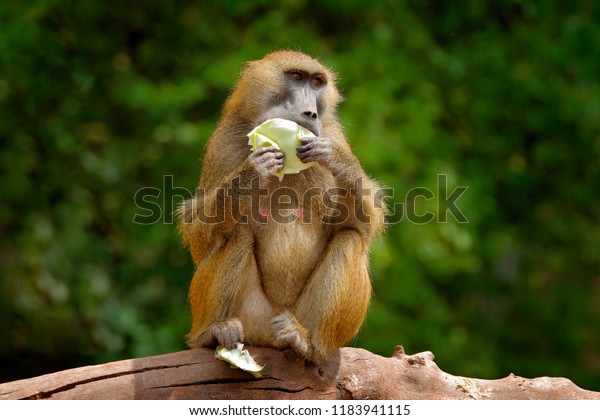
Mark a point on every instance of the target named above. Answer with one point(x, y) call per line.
point(288, 333)
point(225, 333)
point(283, 325)
point(230, 332)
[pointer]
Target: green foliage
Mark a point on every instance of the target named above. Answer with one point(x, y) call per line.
point(101, 99)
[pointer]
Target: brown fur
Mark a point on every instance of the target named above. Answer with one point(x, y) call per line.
point(300, 285)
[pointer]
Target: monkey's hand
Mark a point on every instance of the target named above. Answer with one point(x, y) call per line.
point(288, 333)
point(333, 155)
point(267, 161)
point(317, 149)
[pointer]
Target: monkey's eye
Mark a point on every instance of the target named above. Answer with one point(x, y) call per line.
point(296, 75)
point(318, 81)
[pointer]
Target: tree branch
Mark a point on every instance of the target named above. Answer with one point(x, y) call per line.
point(351, 373)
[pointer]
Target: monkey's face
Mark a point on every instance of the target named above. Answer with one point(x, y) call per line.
point(288, 85)
point(300, 100)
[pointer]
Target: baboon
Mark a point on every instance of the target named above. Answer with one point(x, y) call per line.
point(281, 263)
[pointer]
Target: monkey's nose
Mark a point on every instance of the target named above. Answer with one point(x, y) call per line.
point(311, 114)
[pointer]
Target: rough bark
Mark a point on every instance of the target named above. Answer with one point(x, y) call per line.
point(350, 374)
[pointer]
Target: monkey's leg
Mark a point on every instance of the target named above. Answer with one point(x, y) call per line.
point(212, 304)
point(226, 299)
point(215, 291)
point(334, 303)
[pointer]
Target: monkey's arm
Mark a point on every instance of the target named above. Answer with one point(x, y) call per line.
point(365, 208)
point(207, 219)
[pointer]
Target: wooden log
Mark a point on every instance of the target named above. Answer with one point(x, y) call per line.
point(351, 373)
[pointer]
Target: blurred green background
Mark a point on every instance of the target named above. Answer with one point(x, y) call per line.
point(99, 99)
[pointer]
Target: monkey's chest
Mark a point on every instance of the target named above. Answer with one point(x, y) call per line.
point(286, 255)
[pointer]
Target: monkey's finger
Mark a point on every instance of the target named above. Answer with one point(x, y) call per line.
point(274, 161)
point(268, 157)
point(305, 152)
point(307, 158)
point(307, 140)
point(264, 150)
point(272, 170)
point(302, 149)
point(313, 155)
point(278, 155)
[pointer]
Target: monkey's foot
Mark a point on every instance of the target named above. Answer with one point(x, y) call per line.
point(288, 333)
point(225, 333)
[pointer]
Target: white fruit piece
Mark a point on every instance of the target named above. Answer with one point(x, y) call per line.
point(239, 358)
point(285, 135)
